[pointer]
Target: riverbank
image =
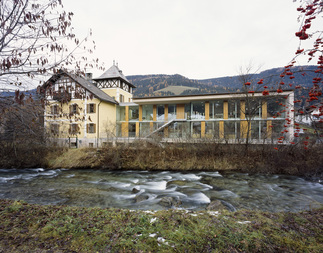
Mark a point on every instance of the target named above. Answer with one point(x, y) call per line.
point(25, 227)
point(200, 156)
point(289, 160)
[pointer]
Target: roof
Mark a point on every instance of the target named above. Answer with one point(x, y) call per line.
point(198, 97)
point(85, 84)
point(113, 73)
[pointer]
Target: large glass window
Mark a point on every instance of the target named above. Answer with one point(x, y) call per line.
point(231, 130)
point(144, 129)
point(212, 129)
point(275, 107)
point(132, 129)
point(147, 112)
point(179, 130)
point(121, 113)
point(277, 128)
point(253, 108)
point(216, 109)
point(259, 129)
point(195, 110)
point(234, 109)
point(160, 113)
point(196, 129)
point(119, 129)
point(171, 112)
point(255, 129)
point(133, 113)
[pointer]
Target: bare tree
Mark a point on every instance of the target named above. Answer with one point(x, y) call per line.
point(36, 38)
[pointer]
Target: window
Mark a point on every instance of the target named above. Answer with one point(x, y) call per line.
point(74, 129)
point(133, 113)
point(121, 113)
point(54, 129)
point(171, 112)
point(90, 128)
point(54, 109)
point(275, 107)
point(147, 112)
point(212, 129)
point(74, 109)
point(160, 112)
point(195, 110)
point(216, 109)
point(90, 108)
point(121, 98)
point(234, 109)
point(196, 129)
point(253, 108)
point(232, 130)
point(91, 145)
point(132, 129)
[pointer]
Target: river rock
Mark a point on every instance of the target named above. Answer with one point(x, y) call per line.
point(170, 202)
point(141, 197)
point(135, 190)
point(216, 205)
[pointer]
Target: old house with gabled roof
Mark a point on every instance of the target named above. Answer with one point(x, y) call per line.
point(86, 112)
point(81, 112)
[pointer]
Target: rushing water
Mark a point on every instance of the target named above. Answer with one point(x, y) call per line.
point(155, 190)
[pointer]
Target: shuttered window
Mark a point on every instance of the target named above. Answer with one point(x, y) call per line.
point(90, 128)
point(74, 109)
point(74, 129)
point(54, 109)
point(90, 108)
point(54, 129)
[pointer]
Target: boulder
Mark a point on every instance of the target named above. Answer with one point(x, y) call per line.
point(141, 197)
point(135, 190)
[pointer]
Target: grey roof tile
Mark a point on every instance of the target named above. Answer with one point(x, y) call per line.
point(114, 73)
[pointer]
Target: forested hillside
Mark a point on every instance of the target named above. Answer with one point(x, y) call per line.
point(153, 85)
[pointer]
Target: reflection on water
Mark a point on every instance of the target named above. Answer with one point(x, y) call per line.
point(159, 190)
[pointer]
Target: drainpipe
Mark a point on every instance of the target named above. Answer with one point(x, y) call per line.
point(98, 123)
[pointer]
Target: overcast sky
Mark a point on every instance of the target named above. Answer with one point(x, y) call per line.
point(198, 39)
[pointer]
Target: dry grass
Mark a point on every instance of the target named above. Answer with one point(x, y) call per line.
point(292, 160)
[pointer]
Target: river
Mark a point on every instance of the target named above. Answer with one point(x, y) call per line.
point(159, 190)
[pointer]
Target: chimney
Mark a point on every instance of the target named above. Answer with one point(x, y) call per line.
point(89, 76)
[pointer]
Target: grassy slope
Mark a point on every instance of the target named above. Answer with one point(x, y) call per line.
point(25, 228)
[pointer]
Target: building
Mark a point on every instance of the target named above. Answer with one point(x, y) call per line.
point(93, 112)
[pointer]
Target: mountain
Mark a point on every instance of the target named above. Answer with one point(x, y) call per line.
point(154, 85)
point(159, 85)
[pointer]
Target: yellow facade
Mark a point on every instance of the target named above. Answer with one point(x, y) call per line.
point(116, 92)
